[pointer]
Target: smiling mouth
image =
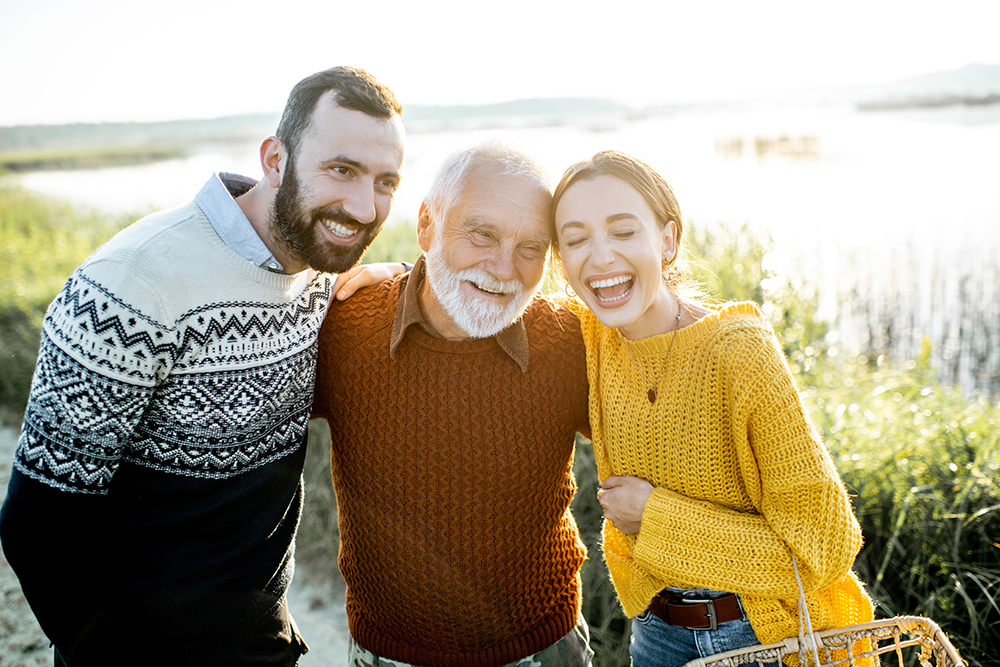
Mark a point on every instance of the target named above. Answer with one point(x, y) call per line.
point(611, 290)
point(339, 230)
point(487, 291)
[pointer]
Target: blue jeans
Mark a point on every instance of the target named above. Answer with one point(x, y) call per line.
point(658, 644)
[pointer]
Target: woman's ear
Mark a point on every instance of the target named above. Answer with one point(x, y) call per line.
point(669, 242)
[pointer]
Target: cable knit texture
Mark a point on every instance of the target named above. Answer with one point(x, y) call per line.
point(741, 477)
point(453, 472)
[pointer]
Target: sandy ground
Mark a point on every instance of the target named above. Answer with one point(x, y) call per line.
point(318, 607)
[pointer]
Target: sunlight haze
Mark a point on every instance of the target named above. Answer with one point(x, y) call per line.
point(111, 60)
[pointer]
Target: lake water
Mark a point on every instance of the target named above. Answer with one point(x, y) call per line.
point(910, 196)
point(813, 177)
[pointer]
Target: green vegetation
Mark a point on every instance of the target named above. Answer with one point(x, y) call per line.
point(920, 458)
point(41, 242)
point(85, 158)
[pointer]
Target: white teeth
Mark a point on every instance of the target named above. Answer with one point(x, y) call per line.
point(617, 298)
point(597, 284)
point(496, 290)
point(339, 230)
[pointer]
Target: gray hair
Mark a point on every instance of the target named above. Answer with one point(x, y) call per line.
point(453, 174)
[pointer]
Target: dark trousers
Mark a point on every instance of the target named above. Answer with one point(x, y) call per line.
point(276, 644)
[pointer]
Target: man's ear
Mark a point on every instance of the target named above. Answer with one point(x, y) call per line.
point(425, 227)
point(272, 161)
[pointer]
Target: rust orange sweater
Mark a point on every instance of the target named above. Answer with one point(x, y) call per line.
point(453, 476)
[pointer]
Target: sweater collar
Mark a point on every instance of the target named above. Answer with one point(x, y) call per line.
point(513, 340)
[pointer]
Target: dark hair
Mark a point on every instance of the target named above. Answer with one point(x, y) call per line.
point(355, 89)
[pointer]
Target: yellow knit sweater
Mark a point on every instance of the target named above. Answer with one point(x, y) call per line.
point(741, 477)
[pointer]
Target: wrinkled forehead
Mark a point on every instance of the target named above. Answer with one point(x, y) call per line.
point(516, 205)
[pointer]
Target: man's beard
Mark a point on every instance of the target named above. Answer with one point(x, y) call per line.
point(295, 228)
point(478, 318)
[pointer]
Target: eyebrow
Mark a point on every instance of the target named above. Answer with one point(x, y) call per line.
point(621, 216)
point(615, 217)
point(342, 160)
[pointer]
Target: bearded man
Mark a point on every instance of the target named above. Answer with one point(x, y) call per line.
point(454, 394)
point(156, 489)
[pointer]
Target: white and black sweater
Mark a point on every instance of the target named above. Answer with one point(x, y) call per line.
point(156, 489)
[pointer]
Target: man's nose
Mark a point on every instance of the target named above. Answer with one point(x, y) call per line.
point(502, 264)
point(360, 202)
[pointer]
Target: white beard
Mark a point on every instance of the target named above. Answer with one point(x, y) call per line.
point(478, 318)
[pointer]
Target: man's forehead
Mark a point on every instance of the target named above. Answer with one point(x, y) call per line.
point(352, 129)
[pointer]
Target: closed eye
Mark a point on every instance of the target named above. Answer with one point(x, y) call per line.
point(532, 251)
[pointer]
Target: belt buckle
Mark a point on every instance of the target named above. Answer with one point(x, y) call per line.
point(713, 618)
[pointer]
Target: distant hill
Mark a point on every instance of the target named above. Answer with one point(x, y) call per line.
point(970, 85)
point(971, 80)
point(535, 112)
point(249, 127)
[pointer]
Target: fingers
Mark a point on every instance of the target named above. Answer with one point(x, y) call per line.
point(351, 286)
point(340, 286)
point(364, 275)
point(612, 482)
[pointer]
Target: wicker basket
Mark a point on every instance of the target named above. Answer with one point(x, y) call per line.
point(859, 645)
point(905, 637)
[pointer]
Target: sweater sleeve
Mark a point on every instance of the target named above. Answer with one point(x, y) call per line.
point(801, 504)
point(99, 362)
point(49, 539)
point(97, 369)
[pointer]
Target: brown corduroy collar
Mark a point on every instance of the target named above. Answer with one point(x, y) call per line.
point(513, 340)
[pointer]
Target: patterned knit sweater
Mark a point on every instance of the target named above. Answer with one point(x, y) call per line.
point(453, 473)
point(741, 477)
point(157, 489)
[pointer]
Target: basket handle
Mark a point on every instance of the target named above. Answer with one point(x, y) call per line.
point(805, 645)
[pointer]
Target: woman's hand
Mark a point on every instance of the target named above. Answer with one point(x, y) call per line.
point(623, 499)
point(363, 275)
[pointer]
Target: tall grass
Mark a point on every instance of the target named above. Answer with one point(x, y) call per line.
point(923, 462)
point(41, 242)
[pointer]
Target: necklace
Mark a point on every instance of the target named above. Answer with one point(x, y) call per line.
point(651, 394)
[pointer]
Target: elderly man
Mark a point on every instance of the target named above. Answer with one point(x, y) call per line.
point(454, 394)
point(156, 488)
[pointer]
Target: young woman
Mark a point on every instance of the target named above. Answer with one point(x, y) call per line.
point(712, 474)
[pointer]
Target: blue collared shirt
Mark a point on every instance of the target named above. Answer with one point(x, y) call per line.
point(216, 199)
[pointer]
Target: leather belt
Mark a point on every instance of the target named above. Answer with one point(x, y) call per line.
point(696, 614)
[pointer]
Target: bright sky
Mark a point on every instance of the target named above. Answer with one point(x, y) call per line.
point(111, 60)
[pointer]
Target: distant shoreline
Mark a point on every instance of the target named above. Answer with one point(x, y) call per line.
point(20, 162)
point(930, 102)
